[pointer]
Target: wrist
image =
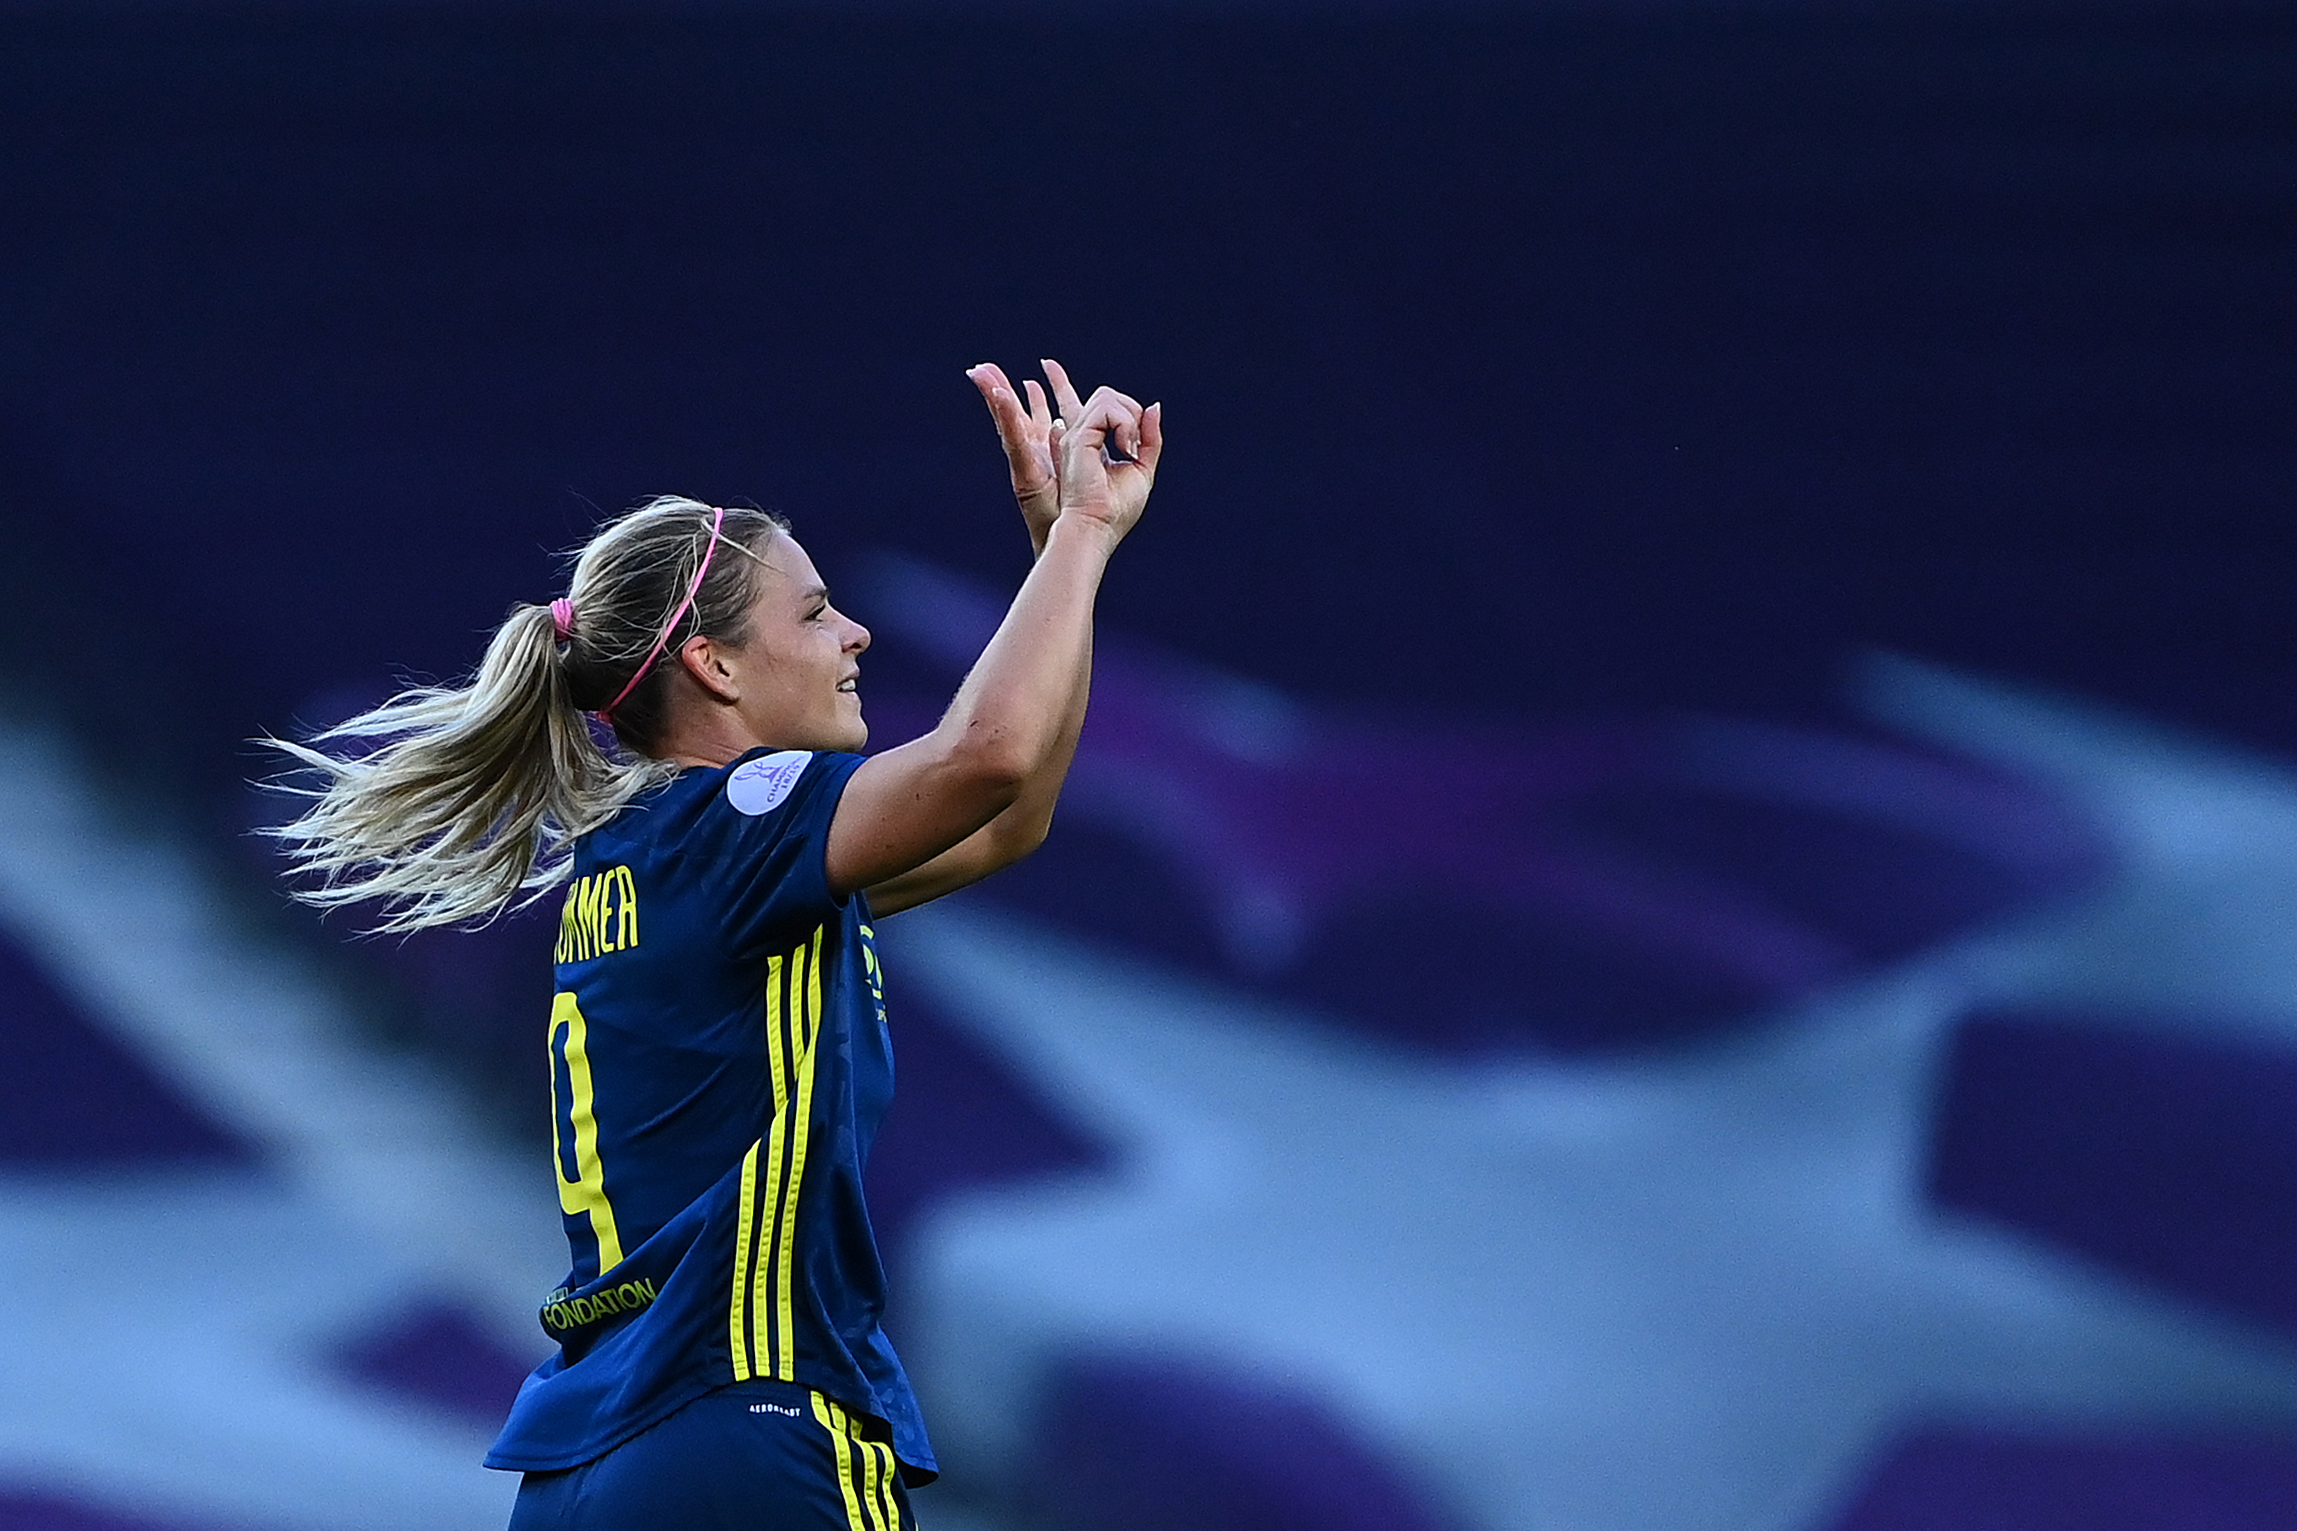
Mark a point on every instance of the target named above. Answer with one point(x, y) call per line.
point(1096, 537)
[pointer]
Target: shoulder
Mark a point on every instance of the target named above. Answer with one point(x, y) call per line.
point(784, 784)
point(746, 808)
point(760, 845)
point(758, 784)
point(761, 789)
point(730, 832)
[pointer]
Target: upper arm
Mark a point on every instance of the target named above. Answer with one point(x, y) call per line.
point(960, 866)
point(904, 808)
point(992, 848)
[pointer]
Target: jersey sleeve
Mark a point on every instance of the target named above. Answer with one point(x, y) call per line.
point(766, 849)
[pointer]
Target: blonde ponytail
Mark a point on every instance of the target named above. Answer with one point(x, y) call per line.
point(466, 797)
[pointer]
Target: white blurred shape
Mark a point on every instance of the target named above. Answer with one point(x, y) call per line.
point(1695, 1292)
point(164, 1335)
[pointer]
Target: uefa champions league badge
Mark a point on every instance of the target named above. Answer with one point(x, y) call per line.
point(762, 785)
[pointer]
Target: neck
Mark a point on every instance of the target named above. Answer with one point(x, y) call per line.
point(711, 739)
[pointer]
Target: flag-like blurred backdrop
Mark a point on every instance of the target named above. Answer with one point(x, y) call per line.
point(1679, 909)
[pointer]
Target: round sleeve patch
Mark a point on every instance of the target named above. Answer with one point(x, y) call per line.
point(762, 785)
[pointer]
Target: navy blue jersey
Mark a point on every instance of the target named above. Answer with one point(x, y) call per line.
point(719, 1062)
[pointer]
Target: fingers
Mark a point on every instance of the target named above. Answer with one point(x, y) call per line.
point(1128, 425)
point(1108, 420)
point(1124, 436)
point(1123, 440)
point(1036, 433)
point(1152, 437)
point(988, 377)
point(1023, 433)
point(997, 393)
point(1065, 398)
point(1118, 419)
point(1099, 418)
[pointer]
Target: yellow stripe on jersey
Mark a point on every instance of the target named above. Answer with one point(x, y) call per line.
point(881, 1470)
point(830, 1417)
point(586, 1192)
point(785, 1036)
point(737, 1320)
point(868, 1487)
point(759, 1323)
point(808, 1027)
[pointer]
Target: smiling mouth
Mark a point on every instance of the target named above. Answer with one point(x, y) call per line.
point(850, 686)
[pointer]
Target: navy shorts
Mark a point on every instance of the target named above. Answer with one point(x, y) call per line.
point(756, 1456)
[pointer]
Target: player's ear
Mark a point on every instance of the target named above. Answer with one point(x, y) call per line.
point(705, 659)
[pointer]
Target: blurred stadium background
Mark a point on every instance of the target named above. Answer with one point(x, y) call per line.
point(1680, 909)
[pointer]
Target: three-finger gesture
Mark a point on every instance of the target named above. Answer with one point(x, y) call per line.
point(1094, 458)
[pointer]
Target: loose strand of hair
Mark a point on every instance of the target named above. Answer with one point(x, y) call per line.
point(448, 805)
point(470, 798)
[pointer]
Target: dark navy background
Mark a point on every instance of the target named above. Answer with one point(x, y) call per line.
point(1515, 362)
point(1552, 376)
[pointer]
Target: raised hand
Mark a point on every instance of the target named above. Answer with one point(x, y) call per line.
point(1105, 451)
point(1026, 434)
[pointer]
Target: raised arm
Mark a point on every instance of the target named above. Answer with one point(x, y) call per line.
point(911, 823)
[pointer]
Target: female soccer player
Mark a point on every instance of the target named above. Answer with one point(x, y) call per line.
point(718, 1044)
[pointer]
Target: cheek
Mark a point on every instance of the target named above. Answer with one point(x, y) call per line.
point(831, 659)
point(777, 696)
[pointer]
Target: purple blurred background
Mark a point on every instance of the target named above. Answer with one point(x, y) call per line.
point(1867, 1087)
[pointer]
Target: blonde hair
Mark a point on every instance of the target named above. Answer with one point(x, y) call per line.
point(474, 794)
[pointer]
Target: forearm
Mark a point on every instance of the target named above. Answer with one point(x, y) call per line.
point(1005, 839)
point(916, 803)
point(1021, 828)
point(1023, 703)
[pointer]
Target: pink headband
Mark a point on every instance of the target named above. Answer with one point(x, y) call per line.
point(606, 713)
